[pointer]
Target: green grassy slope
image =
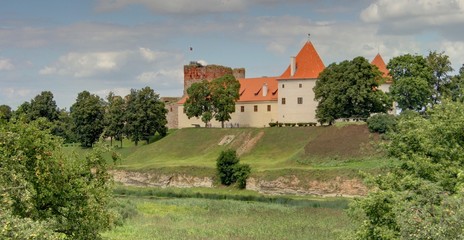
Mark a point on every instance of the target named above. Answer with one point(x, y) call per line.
point(265, 149)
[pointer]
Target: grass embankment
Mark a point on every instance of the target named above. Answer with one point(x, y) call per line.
point(321, 152)
point(227, 219)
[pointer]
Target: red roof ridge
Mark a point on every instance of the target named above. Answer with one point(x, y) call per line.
point(380, 63)
point(308, 64)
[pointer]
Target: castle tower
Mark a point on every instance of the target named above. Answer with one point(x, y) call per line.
point(195, 72)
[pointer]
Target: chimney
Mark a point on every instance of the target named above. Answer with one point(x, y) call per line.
point(265, 89)
point(292, 66)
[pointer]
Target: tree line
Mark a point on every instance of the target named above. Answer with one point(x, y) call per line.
point(350, 89)
point(138, 116)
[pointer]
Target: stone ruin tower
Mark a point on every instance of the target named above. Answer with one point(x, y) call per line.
point(195, 72)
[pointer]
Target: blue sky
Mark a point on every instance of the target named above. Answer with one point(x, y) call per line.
point(115, 45)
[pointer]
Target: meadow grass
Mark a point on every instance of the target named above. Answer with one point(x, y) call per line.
point(189, 218)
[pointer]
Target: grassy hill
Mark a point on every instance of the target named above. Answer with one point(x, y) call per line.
point(334, 150)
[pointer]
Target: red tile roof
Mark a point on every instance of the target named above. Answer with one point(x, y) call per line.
point(308, 64)
point(378, 61)
point(251, 89)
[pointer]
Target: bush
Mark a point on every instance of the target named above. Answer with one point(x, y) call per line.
point(381, 123)
point(271, 124)
point(225, 166)
point(242, 171)
point(230, 171)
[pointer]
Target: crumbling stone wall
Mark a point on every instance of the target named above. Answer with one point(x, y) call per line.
point(195, 72)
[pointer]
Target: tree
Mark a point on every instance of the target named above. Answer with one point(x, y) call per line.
point(44, 194)
point(198, 103)
point(87, 114)
point(412, 82)
point(224, 93)
point(411, 93)
point(114, 117)
point(5, 113)
point(440, 65)
point(422, 196)
point(230, 170)
point(63, 127)
point(349, 89)
point(44, 106)
point(456, 86)
point(145, 115)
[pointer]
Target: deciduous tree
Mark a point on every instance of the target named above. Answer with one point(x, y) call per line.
point(5, 113)
point(412, 82)
point(87, 114)
point(44, 194)
point(440, 65)
point(198, 103)
point(224, 93)
point(115, 117)
point(145, 115)
point(43, 105)
point(349, 89)
point(422, 196)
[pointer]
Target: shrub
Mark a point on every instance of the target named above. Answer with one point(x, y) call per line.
point(230, 171)
point(242, 171)
point(225, 166)
point(271, 124)
point(381, 123)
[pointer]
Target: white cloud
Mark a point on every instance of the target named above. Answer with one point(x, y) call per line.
point(454, 50)
point(162, 78)
point(5, 64)
point(13, 93)
point(177, 6)
point(117, 91)
point(86, 64)
point(414, 15)
point(148, 54)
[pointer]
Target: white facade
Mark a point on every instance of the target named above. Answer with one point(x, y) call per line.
point(296, 101)
point(265, 113)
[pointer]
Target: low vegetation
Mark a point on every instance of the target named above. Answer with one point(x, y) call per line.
point(187, 218)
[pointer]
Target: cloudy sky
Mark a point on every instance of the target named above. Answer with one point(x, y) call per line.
point(114, 45)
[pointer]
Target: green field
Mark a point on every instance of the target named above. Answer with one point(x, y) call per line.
point(307, 153)
point(189, 218)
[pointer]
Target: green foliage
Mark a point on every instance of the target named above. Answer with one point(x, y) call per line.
point(440, 65)
point(349, 89)
point(215, 99)
point(198, 103)
point(225, 165)
point(42, 189)
point(413, 80)
point(145, 115)
point(5, 113)
point(87, 114)
point(230, 171)
point(381, 123)
point(115, 117)
point(241, 173)
point(43, 105)
point(422, 197)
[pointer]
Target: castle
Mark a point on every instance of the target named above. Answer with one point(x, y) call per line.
point(288, 98)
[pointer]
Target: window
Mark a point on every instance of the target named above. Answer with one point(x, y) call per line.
point(283, 85)
point(256, 108)
point(242, 108)
point(300, 85)
point(300, 100)
point(268, 108)
point(283, 100)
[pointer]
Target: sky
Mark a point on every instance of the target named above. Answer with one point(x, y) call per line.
point(67, 47)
